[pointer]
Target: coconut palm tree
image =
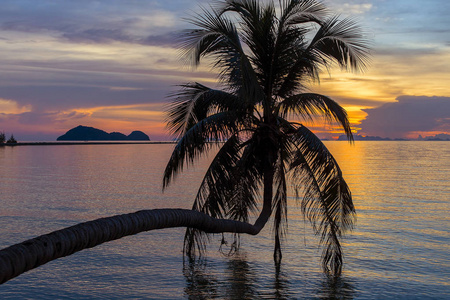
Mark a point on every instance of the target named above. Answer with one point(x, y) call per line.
point(266, 57)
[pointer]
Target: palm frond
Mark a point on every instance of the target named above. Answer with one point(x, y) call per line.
point(217, 184)
point(298, 67)
point(249, 10)
point(299, 12)
point(218, 37)
point(280, 204)
point(194, 102)
point(212, 34)
point(247, 177)
point(293, 64)
point(197, 139)
point(280, 197)
point(211, 194)
point(229, 189)
point(258, 32)
point(327, 201)
point(310, 105)
point(341, 41)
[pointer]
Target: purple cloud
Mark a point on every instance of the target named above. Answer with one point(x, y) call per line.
point(410, 114)
point(164, 40)
point(96, 35)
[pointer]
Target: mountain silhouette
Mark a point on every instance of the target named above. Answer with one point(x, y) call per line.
point(85, 133)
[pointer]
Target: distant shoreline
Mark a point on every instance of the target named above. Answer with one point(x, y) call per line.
point(84, 143)
point(65, 143)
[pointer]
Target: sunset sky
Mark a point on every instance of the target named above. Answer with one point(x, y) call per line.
point(110, 64)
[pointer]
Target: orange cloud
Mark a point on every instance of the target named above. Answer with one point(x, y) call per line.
point(8, 106)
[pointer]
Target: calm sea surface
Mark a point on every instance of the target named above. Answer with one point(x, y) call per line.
point(400, 247)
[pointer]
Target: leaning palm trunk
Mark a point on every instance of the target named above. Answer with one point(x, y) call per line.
point(30, 254)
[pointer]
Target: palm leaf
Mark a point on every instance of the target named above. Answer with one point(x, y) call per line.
point(280, 203)
point(198, 139)
point(310, 105)
point(293, 64)
point(258, 33)
point(341, 41)
point(216, 186)
point(209, 197)
point(327, 200)
point(217, 37)
point(228, 189)
point(247, 178)
point(194, 102)
point(299, 12)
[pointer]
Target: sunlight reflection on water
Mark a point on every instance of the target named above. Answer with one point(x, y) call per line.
point(399, 248)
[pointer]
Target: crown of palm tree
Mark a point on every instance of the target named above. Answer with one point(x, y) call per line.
point(266, 55)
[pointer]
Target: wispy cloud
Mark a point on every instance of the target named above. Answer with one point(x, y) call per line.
point(351, 8)
point(89, 21)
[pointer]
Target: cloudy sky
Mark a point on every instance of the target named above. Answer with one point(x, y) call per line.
point(110, 64)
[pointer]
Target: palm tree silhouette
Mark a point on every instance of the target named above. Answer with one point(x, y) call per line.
point(266, 58)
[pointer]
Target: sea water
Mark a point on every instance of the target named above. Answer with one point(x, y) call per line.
point(398, 249)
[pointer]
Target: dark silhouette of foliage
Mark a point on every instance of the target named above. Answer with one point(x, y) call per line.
point(11, 140)
point(266, 58)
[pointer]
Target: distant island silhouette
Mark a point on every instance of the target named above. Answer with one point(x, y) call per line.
point(85, 133)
